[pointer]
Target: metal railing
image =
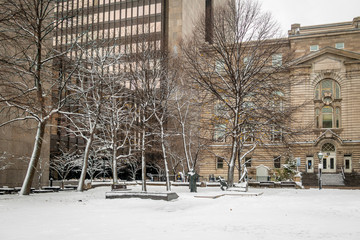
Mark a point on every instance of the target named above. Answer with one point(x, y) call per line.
point(342, 173)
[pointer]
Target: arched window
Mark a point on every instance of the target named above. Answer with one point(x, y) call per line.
point(327, 90)
point(328, 147)
point(327, 117)
point(327, 101)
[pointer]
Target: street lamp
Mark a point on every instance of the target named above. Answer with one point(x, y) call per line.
point(320, 156)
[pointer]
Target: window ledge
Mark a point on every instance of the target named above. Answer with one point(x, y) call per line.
point(335, 130)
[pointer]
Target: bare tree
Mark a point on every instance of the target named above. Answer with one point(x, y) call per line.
point(243, 68)
point(88, 94)
point(187, 104)
point(147, 70)
point(29, 78)
point(162, 98)
point(117, 122)
point(65, 163)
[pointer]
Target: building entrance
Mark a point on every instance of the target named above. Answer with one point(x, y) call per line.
point(329, 159)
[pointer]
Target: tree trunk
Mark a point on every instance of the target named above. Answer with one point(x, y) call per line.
point(85, 161)
point(231, 167)
point(26, 187)
point(114, 147)
point(168, 187)
point(143, 161)
point(185, 147)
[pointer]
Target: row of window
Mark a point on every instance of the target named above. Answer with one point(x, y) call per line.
point(314, 48)
point(109, 33)
point(276, 58)
point(276, 62)
point(276, 134)
point(220, 162)
point(277, 162)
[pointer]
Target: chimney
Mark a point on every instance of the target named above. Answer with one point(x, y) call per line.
point(356, 22)
point(295, 29)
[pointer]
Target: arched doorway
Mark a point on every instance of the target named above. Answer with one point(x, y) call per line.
point(329, 159)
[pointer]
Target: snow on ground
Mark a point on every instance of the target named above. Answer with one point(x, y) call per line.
point(277, 214)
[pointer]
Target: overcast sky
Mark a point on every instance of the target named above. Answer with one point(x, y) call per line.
point(311, 12)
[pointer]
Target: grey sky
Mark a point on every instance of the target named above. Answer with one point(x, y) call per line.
point(311, 12)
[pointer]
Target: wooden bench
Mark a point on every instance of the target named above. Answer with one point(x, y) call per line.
point(74, 187)
point(54, 189)
point(288, 184)
point(118, 187)
point(267, 184)
point(7, 190)
point(42, 191)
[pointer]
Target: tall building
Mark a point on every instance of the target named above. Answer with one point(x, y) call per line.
point(124, 24)
point(327, 68)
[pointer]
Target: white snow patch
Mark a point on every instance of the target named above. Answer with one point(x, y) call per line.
point(276, 214)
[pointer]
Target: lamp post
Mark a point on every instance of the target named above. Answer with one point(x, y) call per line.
point(320, 156)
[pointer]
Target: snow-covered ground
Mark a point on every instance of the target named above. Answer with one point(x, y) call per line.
point(277, 214)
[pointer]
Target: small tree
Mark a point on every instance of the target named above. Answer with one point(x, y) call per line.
point(65, 163)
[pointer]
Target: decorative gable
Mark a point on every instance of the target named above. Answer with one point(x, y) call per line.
point(327, 58)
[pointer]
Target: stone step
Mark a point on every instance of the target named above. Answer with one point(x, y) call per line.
point(332, 180)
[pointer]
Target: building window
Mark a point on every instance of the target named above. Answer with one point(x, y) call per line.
point(317, 117)
point(276, 134)
point(339, 45)
point(337, 117)
point(219, 133)
point(327, 100)
point(314, 48)
point(277, 161)
point(278, 101)
point(327, 90)
point(248, 134)
point(327, 117)
point(248, 161)
point(219, 66)
point(328, 147)
point(347, 163)
point(220, 109)
point(219, 163)
point(276, 60)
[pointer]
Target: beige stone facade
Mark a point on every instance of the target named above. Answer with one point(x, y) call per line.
point(327, 68)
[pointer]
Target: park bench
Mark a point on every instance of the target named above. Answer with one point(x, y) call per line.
point(118, 187)
point(7, 190)
point(288, 184)
point(42, 191)
point(54, 188)
point(74, 187)
point(267, 184)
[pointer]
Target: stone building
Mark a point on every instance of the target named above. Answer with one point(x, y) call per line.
point(327, 66)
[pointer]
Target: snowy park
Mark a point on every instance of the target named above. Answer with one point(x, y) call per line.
point(275, 214)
